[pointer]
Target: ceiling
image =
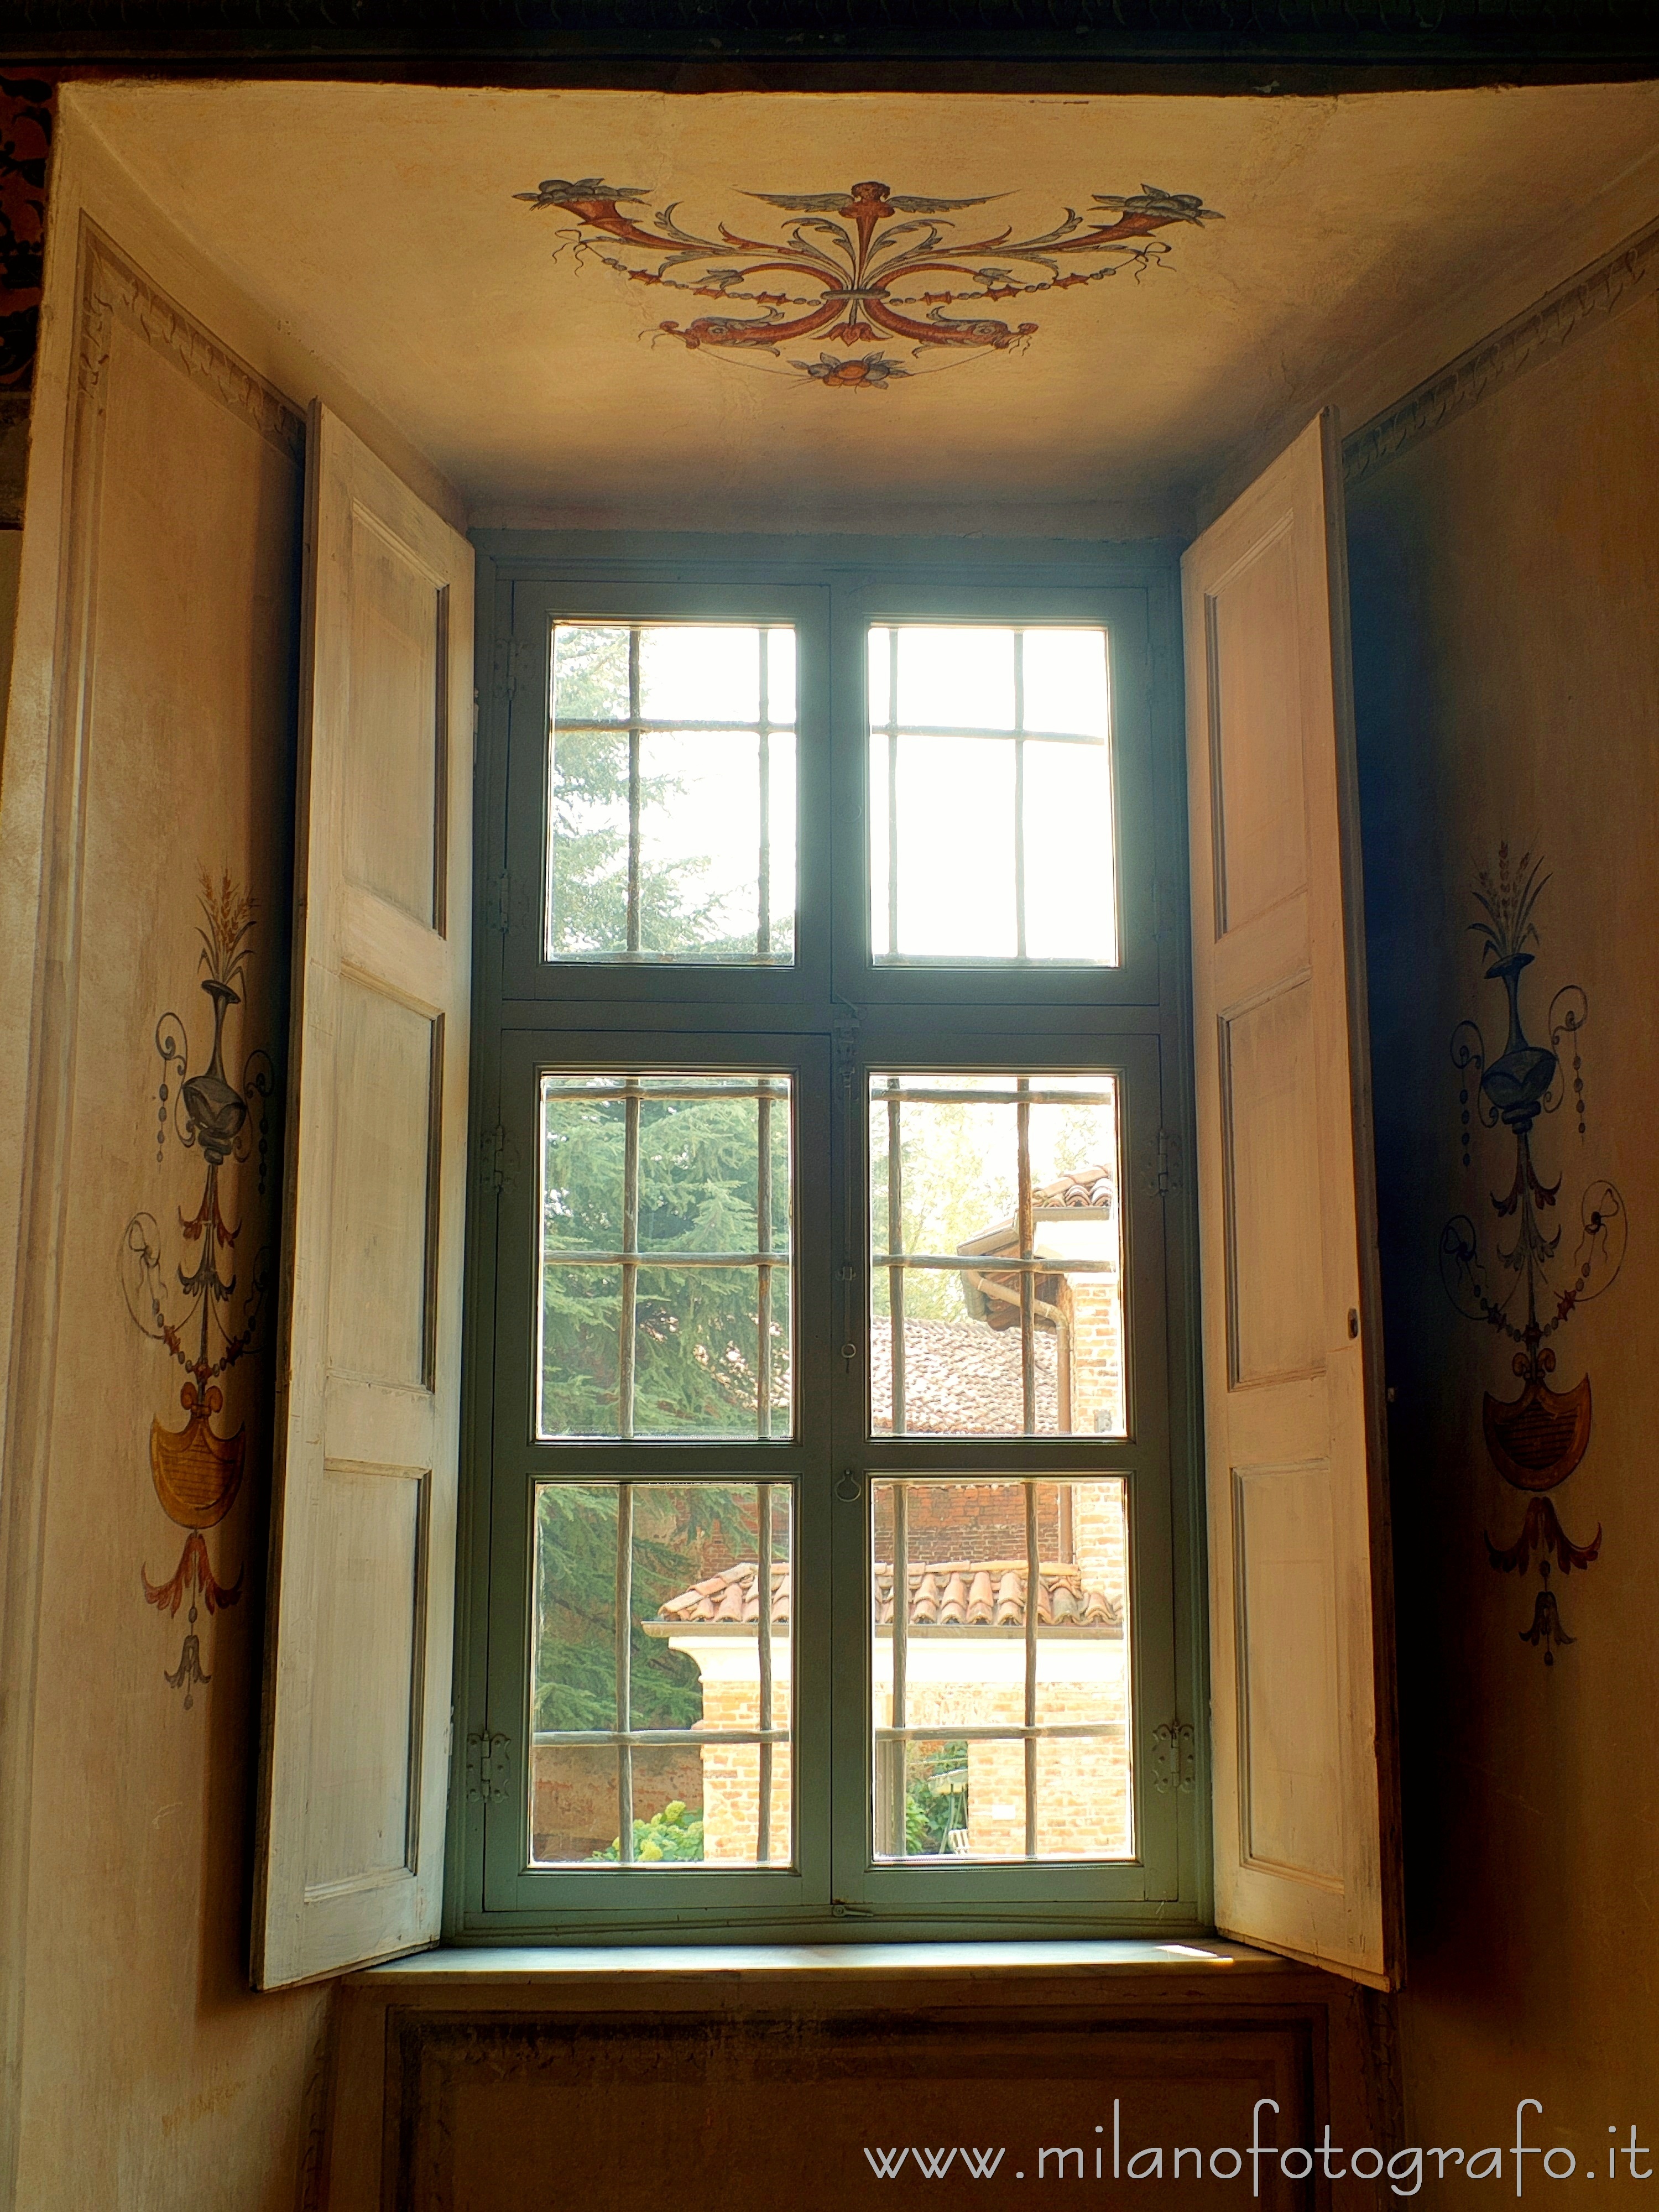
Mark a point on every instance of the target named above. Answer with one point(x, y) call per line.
point(383, 226)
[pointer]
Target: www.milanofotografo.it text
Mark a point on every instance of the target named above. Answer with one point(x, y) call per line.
point(1404, 2170)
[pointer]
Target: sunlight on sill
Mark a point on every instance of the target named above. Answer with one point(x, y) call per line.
point(483, 1963)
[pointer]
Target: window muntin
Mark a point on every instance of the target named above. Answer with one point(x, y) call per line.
point(1000, 1731)
point(991, 829)
point(664, 1742)
point(670, 829)
point(996, 1298)
point(665, 1255)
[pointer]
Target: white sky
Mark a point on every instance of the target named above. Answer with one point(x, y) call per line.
point(955, 794)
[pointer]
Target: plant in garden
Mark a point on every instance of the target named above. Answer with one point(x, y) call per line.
point(674, 1834)
point(936, 1801)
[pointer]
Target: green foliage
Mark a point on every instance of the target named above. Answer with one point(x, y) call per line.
point(959, 1166)
point(575, 1607)
point(672, 1834)
point(588, 820)
point(695, 1339)
point(936, 1801)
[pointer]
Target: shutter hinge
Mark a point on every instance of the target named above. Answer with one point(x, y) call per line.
point(506, 670)
point(498, 904)
point(488, 1768)
point(1175, 1759)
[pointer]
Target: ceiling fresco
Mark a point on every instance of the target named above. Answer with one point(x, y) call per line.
point(734, 310)
point(852, 272)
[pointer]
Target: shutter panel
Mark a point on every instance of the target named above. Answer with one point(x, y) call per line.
point(1302, 1646)
point(355, 1767)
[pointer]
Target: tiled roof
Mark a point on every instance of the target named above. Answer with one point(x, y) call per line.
point(991, 1594)
point(732, 1595)
point(1088, 1190)
point(962, 1379)
point(973, 1594)
point(1091, 1186)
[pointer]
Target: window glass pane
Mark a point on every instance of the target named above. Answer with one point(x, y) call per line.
point(701, 1773)
point(692, 674)
point(1071, 903)
point(993, 1737)
point(996, 1257)
point(665, 1301)
point(956, 676)
point(992, 834)
point(671, 814)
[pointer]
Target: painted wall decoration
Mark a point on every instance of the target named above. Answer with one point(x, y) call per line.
point(1545, 1259)
point(863, 267)
point(207, 1310)
point(25, 117)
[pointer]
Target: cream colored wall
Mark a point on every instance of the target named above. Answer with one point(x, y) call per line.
point(1505, 575)
point(149, 737)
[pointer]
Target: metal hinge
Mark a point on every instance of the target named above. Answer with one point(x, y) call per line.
point(488, 1768)
point(1175, 1759)
point(498, 903)
point(1165, 1165)
point(493, 1158)
point(507, 665)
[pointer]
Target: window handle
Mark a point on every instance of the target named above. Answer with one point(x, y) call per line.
point(849, 1350)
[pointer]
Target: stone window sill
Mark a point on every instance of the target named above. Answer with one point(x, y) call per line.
point(475, 1967)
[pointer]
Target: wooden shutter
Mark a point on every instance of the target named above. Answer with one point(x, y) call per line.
point(1302, 1648)
point(355, 1771)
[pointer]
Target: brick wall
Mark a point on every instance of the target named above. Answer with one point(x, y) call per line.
point(1097, 1408)
point(573, 1794)
point(1083, 1797)
point(731, 1776)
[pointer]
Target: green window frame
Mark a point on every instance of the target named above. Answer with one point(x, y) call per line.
point(826, 1022)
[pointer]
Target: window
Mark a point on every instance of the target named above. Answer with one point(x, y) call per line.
point(828, 1549)
point(826, 1558)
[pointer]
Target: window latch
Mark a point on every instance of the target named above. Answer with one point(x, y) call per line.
point(850, 1349)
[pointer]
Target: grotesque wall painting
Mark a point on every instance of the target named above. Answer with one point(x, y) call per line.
point(864, 267)
point(205, 1306)
point(1538, 1259)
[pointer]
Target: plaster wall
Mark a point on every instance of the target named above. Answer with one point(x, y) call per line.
point(1503, 577)
point(149, 742)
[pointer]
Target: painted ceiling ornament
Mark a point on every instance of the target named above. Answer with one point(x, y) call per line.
point(197, 1470)
point(1536, 1439)
point(864, 267)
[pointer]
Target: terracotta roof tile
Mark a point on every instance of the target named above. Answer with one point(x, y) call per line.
point(1087, 1187)
point(962, 1379)
point(967, 1593)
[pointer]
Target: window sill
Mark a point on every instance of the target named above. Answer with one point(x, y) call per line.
point(476, 1967)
